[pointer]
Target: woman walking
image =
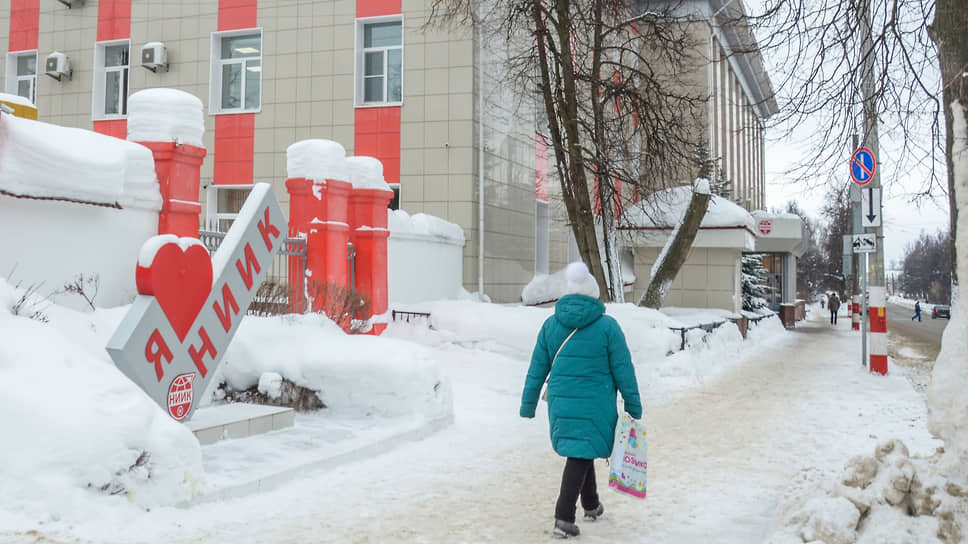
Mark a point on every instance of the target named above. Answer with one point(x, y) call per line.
point(583, 354)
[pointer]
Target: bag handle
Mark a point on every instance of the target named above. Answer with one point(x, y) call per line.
point(544, 394)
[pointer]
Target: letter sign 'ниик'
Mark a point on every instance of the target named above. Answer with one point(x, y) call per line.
point(189, 305)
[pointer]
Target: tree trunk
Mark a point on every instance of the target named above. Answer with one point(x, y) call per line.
point(950, 32)
point(676, 251)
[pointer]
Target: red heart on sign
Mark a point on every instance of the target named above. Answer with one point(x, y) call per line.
point(180, 280)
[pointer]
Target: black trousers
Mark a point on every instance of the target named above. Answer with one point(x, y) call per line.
point(833, 317)
point(578, 479)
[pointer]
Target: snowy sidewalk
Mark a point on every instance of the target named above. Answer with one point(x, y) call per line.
point(720, 458)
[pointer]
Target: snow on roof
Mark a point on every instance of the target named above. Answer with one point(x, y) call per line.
point(317, 160)
point(15, 99)
point(400, 222)
point(165, 115)
point(762, 214)
point(664, 209)
point(50, 162)
point(366, 173)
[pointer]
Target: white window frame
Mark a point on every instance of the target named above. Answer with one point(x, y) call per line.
point(100, 81)
point(212, 214)
point(358, 87)
point(216, 62)
point(13, 80)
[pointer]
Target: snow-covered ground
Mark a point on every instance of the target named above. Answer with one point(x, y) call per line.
point(745, 436)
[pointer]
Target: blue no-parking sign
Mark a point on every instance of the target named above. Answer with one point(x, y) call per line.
point(862, 166)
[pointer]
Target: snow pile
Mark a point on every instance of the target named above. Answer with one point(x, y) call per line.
point(544, 288)
point(47, 161)
point(888, 497)
point(664, 209)
point(400, 222)
point(354, 375)
point(318, 160)
point(366, 173)
point(947, 401)
point(84, 433)
point(165, 115)
point(15, 99)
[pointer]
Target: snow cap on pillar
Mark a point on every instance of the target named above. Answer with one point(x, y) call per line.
point(165, 115)
point(317, 159)
point(366, 173)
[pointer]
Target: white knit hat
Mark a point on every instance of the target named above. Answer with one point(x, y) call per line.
point(580, 281)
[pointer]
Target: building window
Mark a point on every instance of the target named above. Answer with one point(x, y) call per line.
point(224, 203)
point(379, 62)
point(22, 75)
point(236, 72)
point(111, 80)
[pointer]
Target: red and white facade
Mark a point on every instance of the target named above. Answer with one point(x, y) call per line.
point(365, 73)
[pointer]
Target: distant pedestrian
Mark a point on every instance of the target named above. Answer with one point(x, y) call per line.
point(822, 300)
point(917, 311)
point(834, 306)
point(585, 374)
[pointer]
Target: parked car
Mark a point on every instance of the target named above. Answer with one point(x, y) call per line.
point(941, 310)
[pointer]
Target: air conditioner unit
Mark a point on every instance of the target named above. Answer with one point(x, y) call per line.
point(58, 65)
point(72, 3)
point(154, 55)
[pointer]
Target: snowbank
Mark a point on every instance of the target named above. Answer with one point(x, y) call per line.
point(165, 115)
point(44, 161)
point(84, 433)
point(354, 375)
point(421, 224)
point(15, 99)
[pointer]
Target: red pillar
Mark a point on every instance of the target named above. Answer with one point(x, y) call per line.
point(178, 168)
point(855, 315)
point(368, 209)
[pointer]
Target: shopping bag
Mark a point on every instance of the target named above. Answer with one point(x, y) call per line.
point(628, 464)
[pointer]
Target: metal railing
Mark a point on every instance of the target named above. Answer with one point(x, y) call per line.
point(709, 327)
point(282, 289)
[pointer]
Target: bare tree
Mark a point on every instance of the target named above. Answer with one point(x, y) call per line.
point(818, 54)
point(611, 81)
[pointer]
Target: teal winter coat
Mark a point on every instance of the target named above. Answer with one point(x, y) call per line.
point(592, 366)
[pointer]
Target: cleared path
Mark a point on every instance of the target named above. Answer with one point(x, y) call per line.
point(720, 457)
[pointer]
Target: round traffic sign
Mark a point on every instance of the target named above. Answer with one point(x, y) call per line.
point(862, 166)
point(765, 226)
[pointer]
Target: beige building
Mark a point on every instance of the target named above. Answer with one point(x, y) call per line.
point(454, 140)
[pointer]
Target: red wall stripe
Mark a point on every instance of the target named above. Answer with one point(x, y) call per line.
point(24, 25)
point(377, 134)
point(234, 148)
point(540, 167)
point(236, 14)
point(377, 130)
point(113, 20)
point(113, 23)
point(373, 8)
point(233, 156)
point(112, 127)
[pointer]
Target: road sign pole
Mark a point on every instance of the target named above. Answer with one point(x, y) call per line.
point(864, 317)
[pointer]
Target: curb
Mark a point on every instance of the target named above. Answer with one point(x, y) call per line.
point(277, 479)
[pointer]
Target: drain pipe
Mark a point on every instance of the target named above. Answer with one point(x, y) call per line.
point(480, 157)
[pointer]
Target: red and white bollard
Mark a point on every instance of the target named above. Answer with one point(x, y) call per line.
point(854, 313)
point(878, 331)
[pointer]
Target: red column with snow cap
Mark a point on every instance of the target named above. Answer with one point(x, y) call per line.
point(369, 233)
point(321, 211)
point(878, 334)
point(854, 313)
point(169, 122)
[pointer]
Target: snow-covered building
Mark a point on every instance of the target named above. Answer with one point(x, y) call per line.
point(455, 142)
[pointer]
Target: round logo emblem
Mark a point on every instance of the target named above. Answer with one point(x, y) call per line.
point(766, 226)
point(180, 395)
